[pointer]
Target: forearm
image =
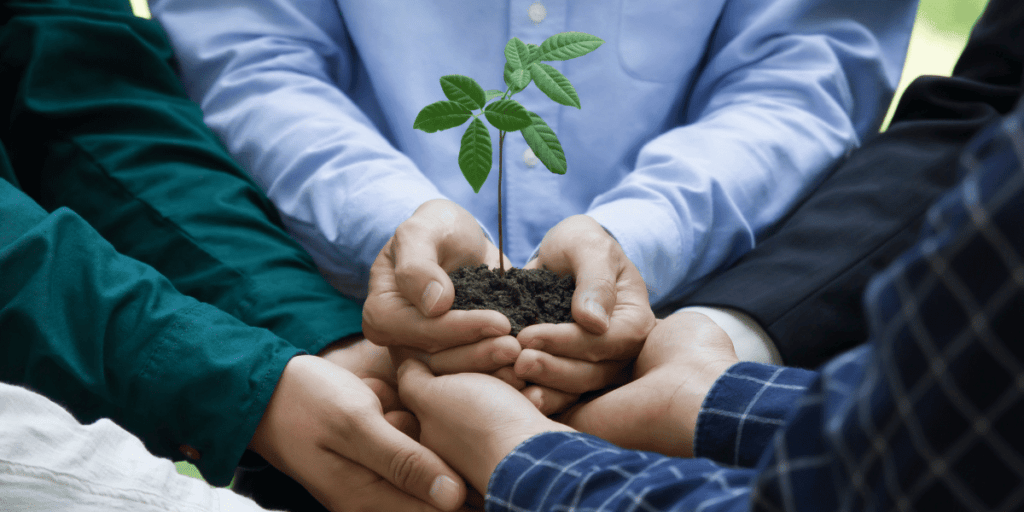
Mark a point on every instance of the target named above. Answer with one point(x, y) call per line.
point(789, 88)
point(160, 188)
point(125, 344)
point(279, 87)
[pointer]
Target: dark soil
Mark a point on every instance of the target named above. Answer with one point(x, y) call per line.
point(526, 297)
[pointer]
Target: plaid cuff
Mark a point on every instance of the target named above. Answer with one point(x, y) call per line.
point(574, 471)
point(744, 408)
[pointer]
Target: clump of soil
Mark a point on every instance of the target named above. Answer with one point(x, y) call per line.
point(526, 297)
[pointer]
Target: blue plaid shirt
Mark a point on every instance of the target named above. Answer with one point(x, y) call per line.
point(927, 416)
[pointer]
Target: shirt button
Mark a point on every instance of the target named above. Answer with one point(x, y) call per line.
point(537, 12)
point(189, 452)
point(529, 158)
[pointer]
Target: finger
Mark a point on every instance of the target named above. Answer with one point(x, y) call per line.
point(385, 393)
point(622, 341)
point(398, 323)
point(508, 375)
point(549, 401)
point(565, 374)
point(407, 464)
point(596, 267)
point(439, 238)
point(413, 377)
point(483, 356)
point(418, 273)
point(405, 422)
point(360, 489)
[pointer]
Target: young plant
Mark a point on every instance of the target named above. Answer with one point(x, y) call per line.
point(523, 63)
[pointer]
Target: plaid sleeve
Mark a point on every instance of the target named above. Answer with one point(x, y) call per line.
point(574, 471)
point(927, 416)
point(933, 421)
point(744, 408)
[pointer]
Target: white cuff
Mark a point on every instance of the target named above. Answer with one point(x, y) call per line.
point(752, 343)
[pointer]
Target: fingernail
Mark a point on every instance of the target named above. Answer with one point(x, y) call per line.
point(431, 295)
point(445, 493)
point(595, 309)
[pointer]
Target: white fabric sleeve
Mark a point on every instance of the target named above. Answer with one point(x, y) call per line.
point(50, 462)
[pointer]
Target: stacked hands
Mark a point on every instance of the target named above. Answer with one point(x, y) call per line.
point(470, 392)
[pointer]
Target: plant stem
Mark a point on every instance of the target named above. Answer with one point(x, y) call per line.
point(501, 237)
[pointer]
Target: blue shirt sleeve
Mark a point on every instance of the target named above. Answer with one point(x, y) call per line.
point(698, 130)
point(280, 83)
point(788, 88)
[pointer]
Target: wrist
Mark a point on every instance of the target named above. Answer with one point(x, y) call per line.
point(502, 442)
point(684, 413)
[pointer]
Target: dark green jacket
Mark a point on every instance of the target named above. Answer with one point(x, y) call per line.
point(133, 299)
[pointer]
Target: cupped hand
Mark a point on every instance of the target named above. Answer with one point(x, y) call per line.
point(410, 293)
point(325, 428)
point(610, 307)
point(657, 411)
point(471, 420)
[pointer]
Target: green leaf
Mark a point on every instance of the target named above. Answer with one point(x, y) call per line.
point(542, 140)
point(493, 93)
point(464, 90)
point(475, 154)
point(517, 54)
point(568, 45)
point(534, 54)
point(441, 115)
point(507, 115)
point(553, 83)
point(516, 79)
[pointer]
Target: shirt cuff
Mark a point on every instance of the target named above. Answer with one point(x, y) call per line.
point(744, 408)
point(751, 342)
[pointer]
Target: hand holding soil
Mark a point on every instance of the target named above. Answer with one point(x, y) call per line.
point(657, 411)
point(611, 310)
point(410, 292)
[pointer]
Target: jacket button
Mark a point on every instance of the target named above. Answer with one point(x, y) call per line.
point(189, 452)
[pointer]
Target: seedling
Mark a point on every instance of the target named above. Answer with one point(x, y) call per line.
point(523, 63)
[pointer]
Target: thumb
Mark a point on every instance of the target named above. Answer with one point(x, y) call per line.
point(413, 378)
point(409, 466)
point(595, 295)
point(419, 275)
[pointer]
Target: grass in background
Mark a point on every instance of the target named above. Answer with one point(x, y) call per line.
point(940, 33)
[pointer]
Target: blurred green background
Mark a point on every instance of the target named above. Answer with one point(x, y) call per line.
point(940, 33)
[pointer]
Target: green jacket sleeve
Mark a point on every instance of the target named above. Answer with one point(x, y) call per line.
point(107, 336)
point(95, 120)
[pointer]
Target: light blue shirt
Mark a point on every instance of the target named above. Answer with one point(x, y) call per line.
point(702, 122)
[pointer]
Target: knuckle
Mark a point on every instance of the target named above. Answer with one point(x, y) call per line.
point(406, 270)
point(407, 468)
point(371, 329)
